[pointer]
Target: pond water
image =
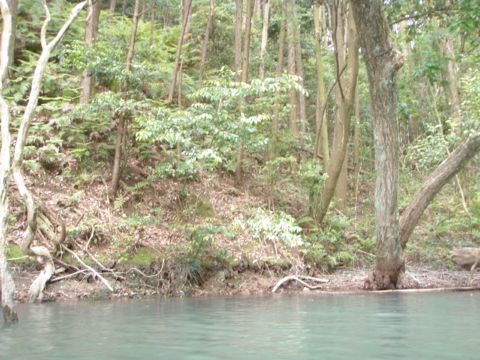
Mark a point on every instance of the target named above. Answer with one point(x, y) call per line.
point(408, 326)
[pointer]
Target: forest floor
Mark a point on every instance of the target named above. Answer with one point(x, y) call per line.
point(187, 239)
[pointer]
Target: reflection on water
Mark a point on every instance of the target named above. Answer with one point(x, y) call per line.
point(422, 326)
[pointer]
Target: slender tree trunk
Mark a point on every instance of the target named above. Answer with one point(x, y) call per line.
point(153, 15)
point(290, 6)
point(206, 38)
point(7, 286)
point(124, 7)
point(263, 46)
point(382, 63)
point(178, 57)
point(91, 31)
point(345, 96)
point(238, 37)
point(276, 109)
point(452, 84)
point(300, 73)
point(122, 125)
point(245, 67)
point(112, 6)
point(246, 41)
point(356, 143)
point(321, 138)
point(445, 172)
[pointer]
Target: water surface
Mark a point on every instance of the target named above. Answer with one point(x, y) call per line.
point(409, 326)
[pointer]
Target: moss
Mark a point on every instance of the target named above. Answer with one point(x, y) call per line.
point(17, 256)
point(143, 257)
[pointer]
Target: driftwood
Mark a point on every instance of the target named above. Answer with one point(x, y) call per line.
point(466, 257)
point(300, 279)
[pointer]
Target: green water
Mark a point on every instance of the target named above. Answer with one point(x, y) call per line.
point(422, 326)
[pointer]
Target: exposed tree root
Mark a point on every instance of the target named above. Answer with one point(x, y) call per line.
point(300, 279)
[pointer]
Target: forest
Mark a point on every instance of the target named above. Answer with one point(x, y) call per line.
point(198, 147)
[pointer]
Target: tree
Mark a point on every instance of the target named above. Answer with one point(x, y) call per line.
point(345, 94)
point(91, 30)
point(187, 12)
point(206, 37)
point(6, 280)
point(122, 121)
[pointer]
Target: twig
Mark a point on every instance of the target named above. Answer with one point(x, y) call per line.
point(90, 238)
point(145, 275)
point(102, 279)
point(18, 258)
point(299, 279)
point(67, 276)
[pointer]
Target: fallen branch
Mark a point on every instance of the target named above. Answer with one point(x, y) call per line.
point(92, 270)
point(67, 276)
point(298, 278)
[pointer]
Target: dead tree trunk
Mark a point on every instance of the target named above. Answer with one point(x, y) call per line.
point(40, 252)
point(178, 56)
point(302, 102)
point(6, 281)
point(382, 64)
point(91, 30)
point(435, 182)
point(122, 120)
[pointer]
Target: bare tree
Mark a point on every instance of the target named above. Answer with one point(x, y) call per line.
point(238, 37)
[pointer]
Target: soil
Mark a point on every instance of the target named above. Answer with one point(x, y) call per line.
point(158, 220)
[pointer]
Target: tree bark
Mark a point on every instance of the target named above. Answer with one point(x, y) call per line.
point(276, 108)
point(178, 57)
point(454, 98)
point(321, 134)
point(91, 31)
point(122, 121)
point(238, 38)
point(290, 6)
point(7, 288)
point(435, 182)
point(206, 38)
point(263, 46)
point(302, 103)
point(382, 63)
point(345, 96)
point(112, 6)
point(246, 40)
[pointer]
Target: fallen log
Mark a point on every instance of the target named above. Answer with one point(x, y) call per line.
point(301, 279)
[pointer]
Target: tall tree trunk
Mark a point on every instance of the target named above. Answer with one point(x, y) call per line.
point(178, 57)
point(321, 137)
point(263, 46)
point(153, 15)
point(13, 6)
point(122, 119)
point(245, 67)
point(452, 84)
point(91, 31)
point(290, 6)
point(302, 103)
point(276, 108)
point(382, 63)
point(345, 96)
point(7, 288)
point(206, 38)
point(124, 7)
point(246, 40)
point(238, 38)
point(445, 172)
point(111, 8)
